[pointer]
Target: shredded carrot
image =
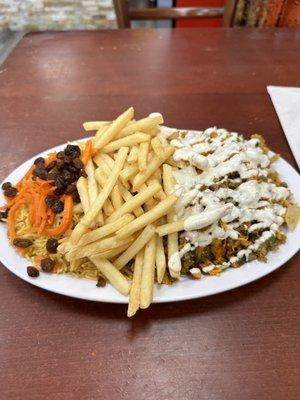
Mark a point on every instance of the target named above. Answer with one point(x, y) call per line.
point(32, 193)
point(87, 152)
point(38, 259)
point(51, 157)
point(66, 219)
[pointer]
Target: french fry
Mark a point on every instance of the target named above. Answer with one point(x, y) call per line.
point(153, 131)
point(113, 129)
point(169, 228)
point(102, 179)
point(94, 125)
point(158, 148)
point(82, 187)
point(136, 201)
point(147, 282)
point(133, 155)
point(143, 156)
point(65, 246)
point(134, 295)
point(108, 208)
point(116, 198)
point(92, 184)
point(97, 205)
point(104, 160)
point(157, 175)
point(168, 179)
point(143, 125)
point(160, 195)
point(127, 196)
point(115, 277)
point(93, 187)
point(97, 247)
point(135, 247)
point(150, 216)
point(105, 230)
point(112, 253)
point(128, 172)
point(168, 183)
point(77, 209)
point(160, 260)
point(99, 133)
point(101, 176)
point(127, 141)
point(153, 165)
point(150, 204)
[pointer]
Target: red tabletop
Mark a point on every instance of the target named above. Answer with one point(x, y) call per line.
point(243, 344)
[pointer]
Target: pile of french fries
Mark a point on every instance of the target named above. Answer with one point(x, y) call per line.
point(126, 196)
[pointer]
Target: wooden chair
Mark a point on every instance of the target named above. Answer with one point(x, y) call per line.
point(125, 14)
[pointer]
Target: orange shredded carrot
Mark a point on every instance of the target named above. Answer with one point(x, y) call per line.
point(38, 259)
point(50, 217)
point(66, 219)
point(87, 152)
point(33, 193)
point(51, 157)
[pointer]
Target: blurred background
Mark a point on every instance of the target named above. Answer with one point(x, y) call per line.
point(20, 16)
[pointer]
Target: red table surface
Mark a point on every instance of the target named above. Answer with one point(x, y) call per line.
point(243, 344)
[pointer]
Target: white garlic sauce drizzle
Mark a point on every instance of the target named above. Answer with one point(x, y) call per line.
point(218, 156)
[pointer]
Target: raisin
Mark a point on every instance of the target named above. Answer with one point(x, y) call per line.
point(6, 185)
point(39, 161)
point(10, 192)
point(52, 245)
point(60, 182)
point(41, 172)
point(67, 176)
point(50, 199)
point(51, 165)
point(70, 189)
point(101, 282)
point(72, 151)
point(57, 206)
point(77, 163)
point(72, 169)
point(67, 160)
point(75, 196)
point(60, 165)
point(60, 155)
point(23, 243)
point(47, 264)
point(52, 176)
point(33, 272)
point(59, 191)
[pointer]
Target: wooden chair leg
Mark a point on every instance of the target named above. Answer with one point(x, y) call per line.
point(229, 12)
point(121, 9)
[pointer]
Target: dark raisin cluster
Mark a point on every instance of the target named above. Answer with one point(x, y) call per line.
point(63, 174)
point(9, 190)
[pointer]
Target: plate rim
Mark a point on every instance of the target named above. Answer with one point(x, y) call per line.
point(124, 300)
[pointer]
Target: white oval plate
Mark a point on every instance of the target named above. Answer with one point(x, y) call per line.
point(185, 289)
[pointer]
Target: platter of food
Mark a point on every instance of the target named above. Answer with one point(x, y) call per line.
point(140, 213)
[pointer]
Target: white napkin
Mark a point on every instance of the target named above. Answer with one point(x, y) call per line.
point(286, 101)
